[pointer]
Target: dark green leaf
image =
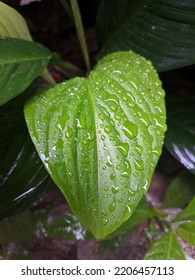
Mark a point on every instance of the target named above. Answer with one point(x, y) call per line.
point(16, 228)
point(67, 227)
point(160, 30)
point(100, 138)
point(187, 232)
point(20, 63)
point(165, 248)
point(188, 213)
point(22, 176)
point(180, 136)
point(180, 191)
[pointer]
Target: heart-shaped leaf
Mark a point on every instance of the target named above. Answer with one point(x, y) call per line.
point(20, 63)
point(162, 31)
point(100, 138)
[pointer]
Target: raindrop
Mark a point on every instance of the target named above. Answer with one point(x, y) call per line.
point(108, 129)
point(127, 213)
point(157, 151)
point(127, 171)
point(112, 206)
point(130, 129)
point(139, 149)
point(139, 164)
point(69, 133)
point(123, 148)
point(104, 221)
point(114, 189)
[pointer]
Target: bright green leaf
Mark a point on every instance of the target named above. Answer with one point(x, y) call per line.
point(100, 138)
point(180, 136)
point(187, 232)
point(180, 191)
point(188, 213)
point(165, 248)
point(20, 63)
point(162, 31)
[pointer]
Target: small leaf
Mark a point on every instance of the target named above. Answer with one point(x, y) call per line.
point(180, 191)
point(165, 248)
point(188, 213)
point(155, 29)
point(100, 138)
point(179, 138)
point(20, 63)
point(187, 232)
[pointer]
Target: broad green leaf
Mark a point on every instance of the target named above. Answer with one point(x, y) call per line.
point(23, 178)
point(188, 213)
point(16, 228)
point(20, 63)
point(100, 138)
point(180, 136)
point(180, 191)
point(187, 232)
point(160, 30)
point(165, 248)
point(12, 24)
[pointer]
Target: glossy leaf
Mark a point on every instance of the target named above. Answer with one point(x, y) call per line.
point(165, 248)
point(188, 213)
point(20, 63)
point(180, 136)
point(67, 227)
point(23, 178)
point(100, 138)
point(155, 29)
point(187, 232)
point(180, 191)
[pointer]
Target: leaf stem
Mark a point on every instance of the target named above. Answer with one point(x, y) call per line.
point(80, 32)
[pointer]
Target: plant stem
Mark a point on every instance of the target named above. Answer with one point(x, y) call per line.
point(80, 32)
point(67, 7)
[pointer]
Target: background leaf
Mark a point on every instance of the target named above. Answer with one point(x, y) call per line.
point(180, 191)
point(187, 232)
point(180, 136)
point(20, 63)
point(97, 140)
point(188, 213)
point(165, 248)
point(23, 178)
point(16, 228)
point(162, 31)
point(12, 24)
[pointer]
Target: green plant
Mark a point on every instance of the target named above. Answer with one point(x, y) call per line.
point(99, 137)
